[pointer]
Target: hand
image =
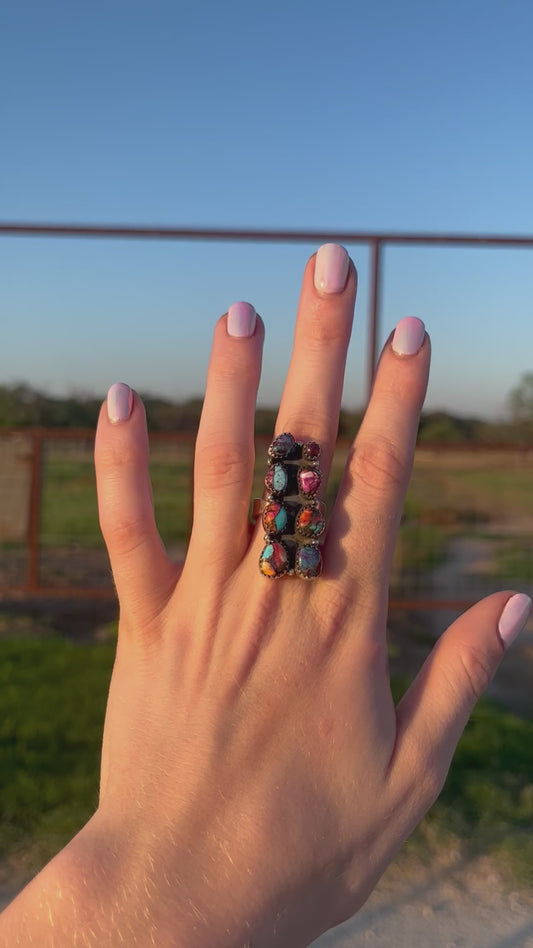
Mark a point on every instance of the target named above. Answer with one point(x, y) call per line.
point(256, 777)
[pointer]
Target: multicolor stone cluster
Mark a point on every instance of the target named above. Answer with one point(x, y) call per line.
point(293, 519)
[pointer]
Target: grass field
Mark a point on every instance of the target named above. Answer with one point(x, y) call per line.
point(451, 494)
point(52, 701)
point(52, 692)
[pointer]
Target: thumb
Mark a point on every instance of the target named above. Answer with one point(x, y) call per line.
point(434, 711)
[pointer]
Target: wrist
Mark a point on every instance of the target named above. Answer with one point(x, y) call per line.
point(107, 888)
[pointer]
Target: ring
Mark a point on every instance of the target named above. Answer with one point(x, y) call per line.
point(292, 518)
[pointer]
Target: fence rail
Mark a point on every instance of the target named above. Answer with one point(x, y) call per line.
point(467, 528)
point(49, 539)
point(376, 241)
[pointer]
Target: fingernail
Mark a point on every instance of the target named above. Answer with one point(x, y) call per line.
point(514, 617)
point(241, 320)
point(331, 269)
point(408, 336)
point(119, 402)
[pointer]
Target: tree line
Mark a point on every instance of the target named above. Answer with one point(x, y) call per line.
point(22, 406)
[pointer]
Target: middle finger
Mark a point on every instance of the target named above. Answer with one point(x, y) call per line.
point(311, 399)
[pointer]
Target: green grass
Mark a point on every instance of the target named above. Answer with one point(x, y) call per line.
point(448, 494)
point(52, 701)
point(69, 508)
point(514, 557)
point(487, 802)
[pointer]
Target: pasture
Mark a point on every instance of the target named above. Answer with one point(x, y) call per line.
point(468, 519)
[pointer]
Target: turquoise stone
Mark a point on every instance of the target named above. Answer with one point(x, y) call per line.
point(308, 562)
point(275, 518)
point(274, 560)
point(277, 479)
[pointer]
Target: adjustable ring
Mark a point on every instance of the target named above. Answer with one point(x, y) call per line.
point(293, 520)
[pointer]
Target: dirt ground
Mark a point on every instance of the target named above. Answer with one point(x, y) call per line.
point(448, 905)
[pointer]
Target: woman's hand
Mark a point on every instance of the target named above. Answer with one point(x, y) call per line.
point(256, 776)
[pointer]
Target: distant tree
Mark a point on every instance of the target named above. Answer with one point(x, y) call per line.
point(520, 399)
point(520, 404)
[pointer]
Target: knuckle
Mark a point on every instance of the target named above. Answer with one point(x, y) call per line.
point(116, 455)
point(377, 466)
point(123, 534)
point(431, 779)
point(477, 671)
point(235, 368)
point(427, 772)
point(323, 329)
point(223, 464)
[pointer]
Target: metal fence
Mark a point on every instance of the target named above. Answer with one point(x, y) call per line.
point(467, 527)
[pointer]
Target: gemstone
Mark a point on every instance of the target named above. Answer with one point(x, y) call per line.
point(310, 522)
point(275, 518)
point(308, 562)
point(277, 479)
point(309, 481)
point(274, 560)
point(284, 446)
point(311, 451)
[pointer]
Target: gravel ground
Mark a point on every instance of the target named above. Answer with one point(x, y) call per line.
point(445, 907)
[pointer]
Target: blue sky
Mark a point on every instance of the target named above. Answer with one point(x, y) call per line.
point(345, 115)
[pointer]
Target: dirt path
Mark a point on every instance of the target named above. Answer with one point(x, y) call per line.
point(467, 573)
point(445, 907)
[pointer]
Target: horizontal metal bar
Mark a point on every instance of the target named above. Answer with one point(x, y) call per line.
point(56, 592)
point(430, 605)
point(142, 232)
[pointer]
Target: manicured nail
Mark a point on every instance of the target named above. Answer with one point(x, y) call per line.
point(119, 402)
point(513, 619)
point(331, 269)
point(408, 336)
point(241, 320)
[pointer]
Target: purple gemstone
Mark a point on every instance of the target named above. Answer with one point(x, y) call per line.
point(284, 446)
point(309, 479)
point(308, 562)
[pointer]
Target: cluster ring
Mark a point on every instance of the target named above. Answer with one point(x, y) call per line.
point(293, 519)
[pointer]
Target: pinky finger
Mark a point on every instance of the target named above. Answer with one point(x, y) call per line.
point(143, 574)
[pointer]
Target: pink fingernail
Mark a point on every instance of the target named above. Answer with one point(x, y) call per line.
point(408, 336)
point(241, 320)
point(119, 402)
point(331, 269)
point(514, 616)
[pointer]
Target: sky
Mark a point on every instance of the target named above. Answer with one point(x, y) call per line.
point(348, 115)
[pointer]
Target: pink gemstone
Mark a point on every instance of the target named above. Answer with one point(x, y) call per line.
point(309, 481)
